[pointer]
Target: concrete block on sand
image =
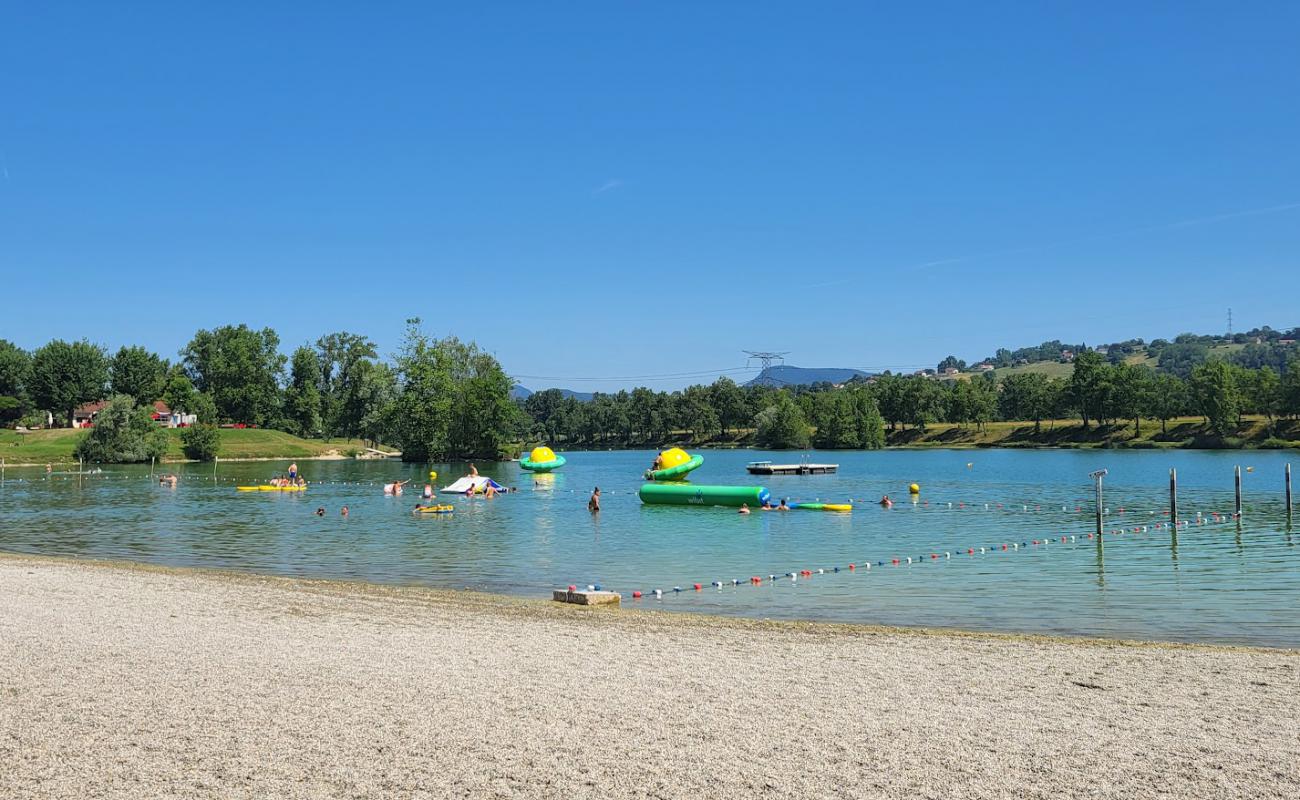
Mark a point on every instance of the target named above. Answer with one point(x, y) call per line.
point(587, 598)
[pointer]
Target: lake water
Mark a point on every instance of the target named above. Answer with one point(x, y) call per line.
point(1217, 581)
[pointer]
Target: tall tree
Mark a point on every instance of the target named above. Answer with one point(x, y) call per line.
point(66, 374)
point(781, 426)
point(139, 373)
point(1167, 399)
point(15, 369)
point(302, 401)
point(1090, 385)
point(1216, 395)
point(240, 368)
point(343, 356)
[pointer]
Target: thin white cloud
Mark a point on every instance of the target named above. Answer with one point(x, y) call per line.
point(608, 186)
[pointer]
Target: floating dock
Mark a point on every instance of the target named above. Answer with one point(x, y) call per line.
point(768, 468)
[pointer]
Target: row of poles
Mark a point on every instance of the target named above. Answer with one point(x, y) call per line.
point(1173, 494)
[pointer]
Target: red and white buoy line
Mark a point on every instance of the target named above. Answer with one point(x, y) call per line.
point(866, 565)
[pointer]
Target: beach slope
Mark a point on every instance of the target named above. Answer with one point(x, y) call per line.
point(126, 682)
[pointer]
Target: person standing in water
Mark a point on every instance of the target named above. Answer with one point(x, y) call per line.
point(293, 473)
point(593, 505)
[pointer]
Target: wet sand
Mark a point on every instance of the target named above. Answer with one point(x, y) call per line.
point(118, 681)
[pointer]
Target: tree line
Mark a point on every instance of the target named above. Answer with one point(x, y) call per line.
point(437, 399)
point(440, 399)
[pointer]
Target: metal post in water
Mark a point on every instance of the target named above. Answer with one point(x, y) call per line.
point(1236, 479)
point(151, 458)
point(81, 471)
point(1097, 476)
point(1288, 492)
point(1173, 497)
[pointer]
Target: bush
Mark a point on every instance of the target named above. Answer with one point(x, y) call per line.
point(1274, 443)
point(201, 442)
point(124, 433)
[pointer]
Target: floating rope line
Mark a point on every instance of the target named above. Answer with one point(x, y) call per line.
point(1025, 546)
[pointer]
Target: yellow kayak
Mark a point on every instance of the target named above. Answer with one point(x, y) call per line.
point(266, 488)
point(435, 509)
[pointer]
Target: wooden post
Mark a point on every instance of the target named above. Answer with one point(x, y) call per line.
point(1097, 476)
point(1288, 492)
point(151, 458)
point(1173, 497)
point(81, 471)
point(1236, 479)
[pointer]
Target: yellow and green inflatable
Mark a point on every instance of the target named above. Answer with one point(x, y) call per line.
point(675, 463)
point(541, 459)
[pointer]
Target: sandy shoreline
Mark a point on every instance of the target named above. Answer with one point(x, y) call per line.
point(122, 681)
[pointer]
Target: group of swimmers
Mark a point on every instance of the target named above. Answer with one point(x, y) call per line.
point(320, 511)
point(767, 506)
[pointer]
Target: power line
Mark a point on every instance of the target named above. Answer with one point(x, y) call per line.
point(766, 357)
point(663, 376)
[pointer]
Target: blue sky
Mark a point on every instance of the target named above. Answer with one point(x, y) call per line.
point(609, 189)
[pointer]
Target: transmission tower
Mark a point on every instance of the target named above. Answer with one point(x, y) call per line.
point(764, 357)
point(1229, 323)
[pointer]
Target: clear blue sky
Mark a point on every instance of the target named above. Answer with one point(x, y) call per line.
point(604, 189)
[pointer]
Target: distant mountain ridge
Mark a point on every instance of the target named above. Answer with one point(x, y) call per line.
point(523, 393)
point(786, 375)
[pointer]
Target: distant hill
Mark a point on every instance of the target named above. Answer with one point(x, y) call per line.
point(523, 393)
point(785, 375)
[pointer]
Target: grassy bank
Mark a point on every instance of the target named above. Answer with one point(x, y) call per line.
point(1184, 432)
point(55, 446)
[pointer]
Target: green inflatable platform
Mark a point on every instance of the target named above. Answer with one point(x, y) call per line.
point(684, 494)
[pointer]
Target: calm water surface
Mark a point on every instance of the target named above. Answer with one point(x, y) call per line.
point(1217, 581)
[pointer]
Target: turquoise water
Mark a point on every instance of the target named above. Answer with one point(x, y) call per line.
point(1217, 581)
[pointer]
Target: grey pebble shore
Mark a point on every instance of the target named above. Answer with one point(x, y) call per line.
point(119, 681)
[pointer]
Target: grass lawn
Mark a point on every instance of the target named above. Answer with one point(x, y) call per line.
point(1180, 432)
point(53, 446)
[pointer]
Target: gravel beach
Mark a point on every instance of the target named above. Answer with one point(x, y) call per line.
point(137, 682)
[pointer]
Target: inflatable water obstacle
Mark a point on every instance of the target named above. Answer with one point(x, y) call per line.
point(675, 462)
point(541, 459)
point(469, 485)
point(679, 494)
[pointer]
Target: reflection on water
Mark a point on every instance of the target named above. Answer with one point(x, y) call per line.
point(1216, 580)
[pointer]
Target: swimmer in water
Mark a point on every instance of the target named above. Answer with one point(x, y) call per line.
point(885, 502)
point(320, 512)
point(744, 508)
point(344, 512)
point(593, 504)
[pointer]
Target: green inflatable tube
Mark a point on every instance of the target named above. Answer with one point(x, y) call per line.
point(541, 466)
point(674, 473)
point(681, 494)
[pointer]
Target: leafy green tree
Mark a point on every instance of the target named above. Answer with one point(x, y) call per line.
point(1263, 392)
point(1215, 395)
point(1027, 396)
point(1132, 387)
point(371, 399)
point(240, 368)
point(15, 369)
point(201, 442)
point(345, 360)
point(66, 374)
point(302, 400)
point(1290, 388)
point(179, 394)
point(923, 401)
point(1167, 399)
point(781, 426)
point(124, 433)
point(866, 415)
point(424, 404)
point(1091, 385)
point(139, 373)
point(832, 415)
point(728, 401)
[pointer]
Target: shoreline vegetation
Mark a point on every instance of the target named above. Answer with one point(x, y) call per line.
point(123, 680)
point(57, 446)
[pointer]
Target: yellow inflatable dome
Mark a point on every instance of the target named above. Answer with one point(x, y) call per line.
point(673, 457)
point(541, 455)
